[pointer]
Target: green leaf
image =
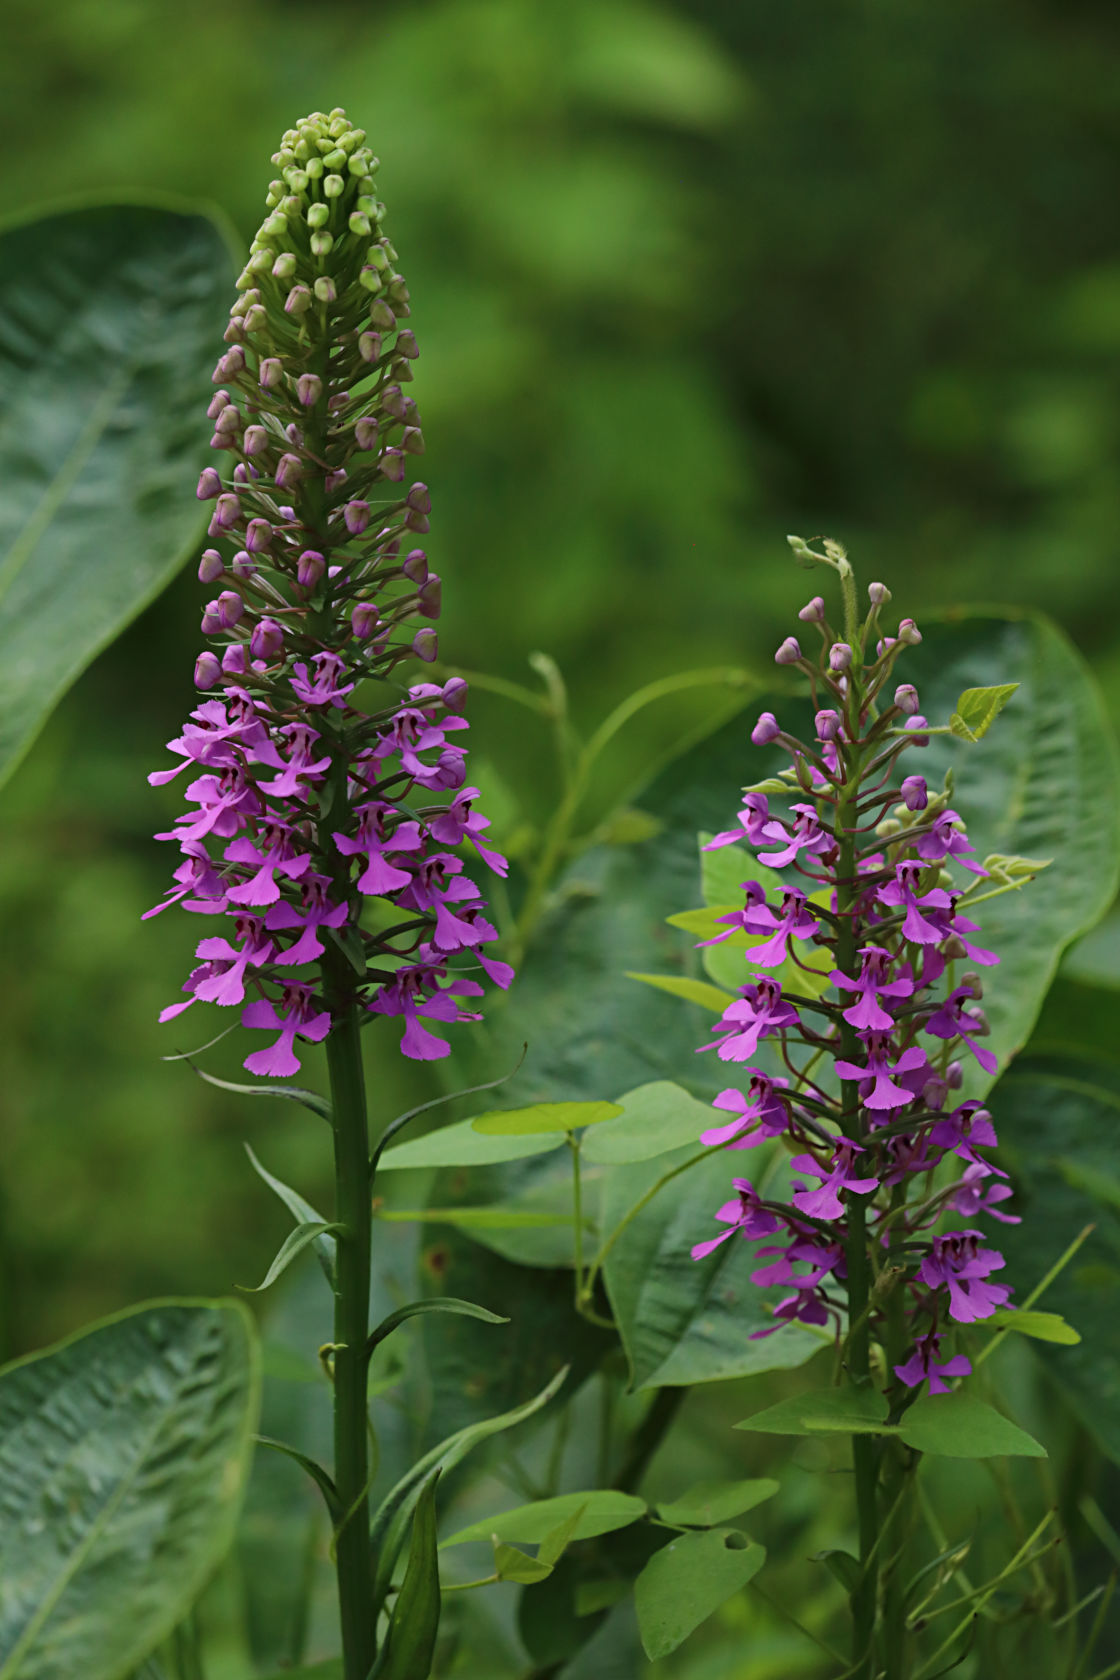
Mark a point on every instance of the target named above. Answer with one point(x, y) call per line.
point(1042, 1326)
point(599, 1511)
point(330, 1670)
point(292, 1246)
point(558, 1539)
point(842, 1566)
point(391, 1517)
point(961, 1426)
point(123, 1455)
point(849, 1411)
point(462, 1146)
point(655, 1118)
point(692, 991)
point(544, 1117)
point(687, 1580)
point(411, 1640)
point(112, 318)
point(728, 962)
point(512, 1565)
point(321, 1477)
point(681, 1320)
point(496, 1218)
point(433, 1304)
point(978, 708)
point(310, 1100)
point(707, 1504)
point(299, 1209)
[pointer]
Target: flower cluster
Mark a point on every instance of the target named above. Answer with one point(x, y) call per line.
point(883, 1154)
point(319, 781)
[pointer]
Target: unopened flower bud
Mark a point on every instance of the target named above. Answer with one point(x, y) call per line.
point(455, 691)
point(229, 421)
point(906, 698)
point(234, 661)
point(827, 725)
point(392, 465)
point(356, 517)
point(431, 596)
point(766, 729)
point(909, 633)
point(913, 727)
point(255, 439)
point(364, 620)
point(366, 432)
point(335, 478)
point(789, 652)
point(289, 471)
point(298, 301)
point(211, 566)
point(813, 612)
point(954, 1076)
point(325, 289)
point(406, 346)
point(418, 522)
point(412, 441)
point(878, 594)
point(974, 984)
point(415, 566)
point(209, 484)
point(218, 401)
point(381, 316)
point(915, 794)
point(934, 1092)
point(267, 640)
point(888, 828)
point(207, 670)
point(310, 568)
point(309, 389)
point(284, 266)
point(419, 498)
point(425, 645)
point(270, 373)
point(227, 511)
point(258, 535)
point(243, 565)
point(229, 365)
point(839, 656)
point(369, 346)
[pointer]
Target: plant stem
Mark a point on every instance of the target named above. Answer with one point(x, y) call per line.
point(353, 1558)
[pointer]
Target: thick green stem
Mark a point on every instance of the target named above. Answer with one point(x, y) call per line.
point(897, 1501)
point(353, 1558)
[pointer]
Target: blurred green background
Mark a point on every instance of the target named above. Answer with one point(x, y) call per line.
point(685, 277)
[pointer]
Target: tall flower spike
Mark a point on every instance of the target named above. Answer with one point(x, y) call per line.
point(320, 776)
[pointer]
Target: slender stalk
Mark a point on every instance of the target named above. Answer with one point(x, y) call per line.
point(353, 1558)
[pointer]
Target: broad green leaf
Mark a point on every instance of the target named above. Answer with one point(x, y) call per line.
point(391, 1518)
point(707, 1504)
point(978, 708)
point(728, 962)
point(1041, 1326)
point(655, 1118)
point(961, 1426)
point(513, 1565)
point(544, 1118)
point(300, 1210)
point(600, 1511)
point(496, 1218)
point(433, 1304)
point(1053, 1114)
point(111, 318)
point(558, 1539)
point(852, 1411)
point(462, 1146)
point(692, 991)
point(290, 1249)
point(411, 1640)
point(723, 872)
point(687, 1580)
point(682, 1320)
point(123, 1455)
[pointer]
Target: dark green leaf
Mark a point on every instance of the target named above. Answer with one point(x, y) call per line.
point(310, 1100)
point(496, 1218)
point(961, 1426)
point(655, 1118)
point(111, 318)
point(300, 1210)
point(687, 1580)
point(411, 1640)
point(292, 1246)
point(599, 1511)
point(462, 1146)
point(978, 708)
point(856, 1411)
point(842, 1565)
point(322, 1479)
point(331, 1670)
point(433, 1304)
point(123, 1454)
point(544, 1118)
point(707, 1504)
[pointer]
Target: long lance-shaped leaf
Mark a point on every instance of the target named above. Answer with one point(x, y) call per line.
point(391, 1518)
point(435, 1304)
point(322, 1478)
point(300, 1210)
point(411, 1641)
point(294, 1244)
point(294, 1093)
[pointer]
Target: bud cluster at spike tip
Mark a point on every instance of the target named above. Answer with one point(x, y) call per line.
point(303, 804)
point(894, 1023)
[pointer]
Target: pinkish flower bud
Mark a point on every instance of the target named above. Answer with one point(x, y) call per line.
point(954, 1076)
point(455, 691)
point(211, 566)
point(243, 565)
point(207, 670)
point(406, 345)
point(229, 365)
point(218, 401)
point(906, 698)
point(827, 725)
point(419, 498)
point(234, 661)
point(431, 597)
point(310, 568)
point(334, 479)
point(289, 471)
point(418, 522)
point(909, 633)
point(229, 421)
point(813, 613)
point(267, 640)
point(365, 433)
point(255, 439)
point(878, 594)
point(356, 517)
point(309, 388)
point(412, 441)
point(369, 346)
point(766, 729)
point(425, 645)
point(284, 266)
point(913, 726)
point(227, 511)
point(934, 1092)
point(415, 566)
point(364, 620)
point(258, 535)
point(392, 465)
point(209, 484)
point(270, 373)
point(839, 656)
point(789, 652)
point(381, 316)
point(298, 301)
point(915, 794)
point(393, 402)
point(231, 608)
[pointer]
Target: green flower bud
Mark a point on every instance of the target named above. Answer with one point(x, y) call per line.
point(333, 186)
point(318, 215)
point(360, 224)
point(322, 244)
